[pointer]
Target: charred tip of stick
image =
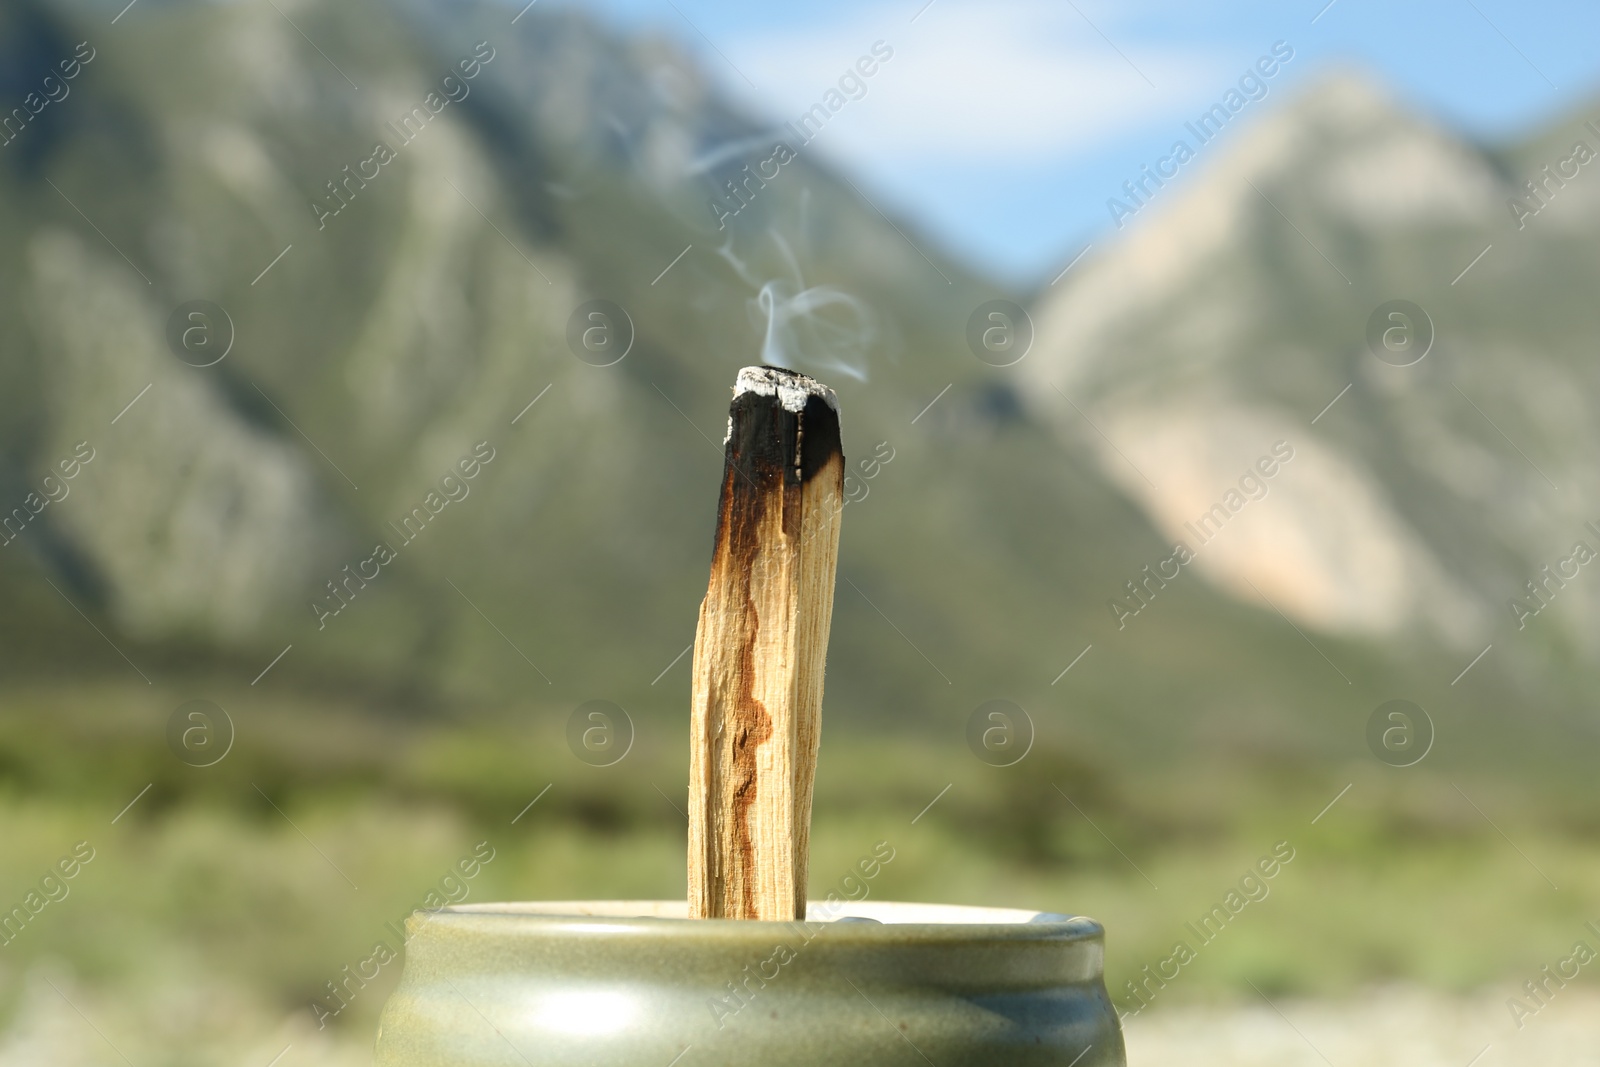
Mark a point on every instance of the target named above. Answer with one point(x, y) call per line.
point(791, 387)
point(781, 424)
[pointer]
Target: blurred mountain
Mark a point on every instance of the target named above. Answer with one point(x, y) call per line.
point(385, 327)
point(1455, 460)
point(400, 249)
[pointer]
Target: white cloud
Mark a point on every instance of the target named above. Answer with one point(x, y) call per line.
point(1017, 80)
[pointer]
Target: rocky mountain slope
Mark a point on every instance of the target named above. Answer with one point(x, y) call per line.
point(1429, 483)
point(400, 210)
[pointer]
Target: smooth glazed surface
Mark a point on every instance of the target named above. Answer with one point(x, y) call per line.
point(631, 982)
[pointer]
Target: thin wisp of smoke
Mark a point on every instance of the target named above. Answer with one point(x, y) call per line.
point(819, 328)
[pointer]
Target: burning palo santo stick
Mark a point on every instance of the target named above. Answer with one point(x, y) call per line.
point(760, 649)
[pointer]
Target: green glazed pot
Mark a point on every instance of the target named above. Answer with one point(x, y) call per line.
point(636, 983)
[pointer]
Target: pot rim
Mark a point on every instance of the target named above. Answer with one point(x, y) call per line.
point(890, 920)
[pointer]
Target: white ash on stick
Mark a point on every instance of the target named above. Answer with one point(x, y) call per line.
point(761, 648)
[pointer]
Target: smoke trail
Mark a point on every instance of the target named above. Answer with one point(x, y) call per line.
point(720, 154)
point(819, 328)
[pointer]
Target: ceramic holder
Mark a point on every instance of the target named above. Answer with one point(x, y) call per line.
point(637, 983)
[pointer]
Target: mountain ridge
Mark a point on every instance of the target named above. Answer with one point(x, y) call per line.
point(431, 315)
point(1204, 366)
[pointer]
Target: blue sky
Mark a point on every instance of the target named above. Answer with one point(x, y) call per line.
point(1001, 127)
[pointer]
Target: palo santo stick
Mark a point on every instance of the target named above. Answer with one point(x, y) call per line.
point(760, 649)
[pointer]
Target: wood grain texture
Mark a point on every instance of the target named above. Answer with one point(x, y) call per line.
point(760, 652)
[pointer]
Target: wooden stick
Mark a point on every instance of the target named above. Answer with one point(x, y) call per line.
point(761, 647)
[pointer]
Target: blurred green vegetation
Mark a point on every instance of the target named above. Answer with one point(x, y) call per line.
point(273, 869)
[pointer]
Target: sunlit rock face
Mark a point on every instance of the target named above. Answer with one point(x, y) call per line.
point(195, 520)
point(1315, 537)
